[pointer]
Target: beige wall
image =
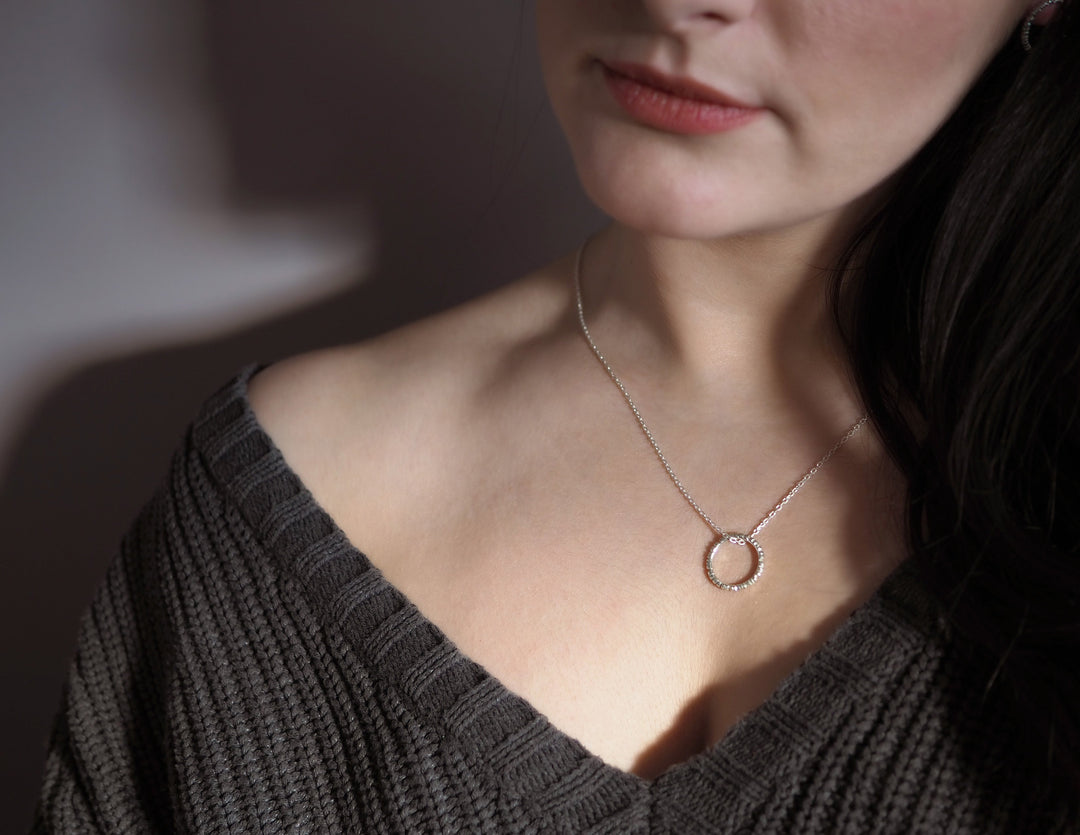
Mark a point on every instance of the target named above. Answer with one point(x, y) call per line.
point(186, 187)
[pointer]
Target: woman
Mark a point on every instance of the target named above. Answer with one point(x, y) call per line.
point(821, 211)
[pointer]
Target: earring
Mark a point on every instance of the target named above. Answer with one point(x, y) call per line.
point(1025, 32)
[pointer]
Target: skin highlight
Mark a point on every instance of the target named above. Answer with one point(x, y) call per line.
point(518, 505)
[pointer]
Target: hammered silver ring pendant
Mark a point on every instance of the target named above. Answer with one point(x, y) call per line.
point(735, 539)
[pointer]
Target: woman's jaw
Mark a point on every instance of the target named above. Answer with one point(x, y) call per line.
point(716, 119)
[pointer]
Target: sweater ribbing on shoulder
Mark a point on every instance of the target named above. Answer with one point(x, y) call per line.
point(245, 669)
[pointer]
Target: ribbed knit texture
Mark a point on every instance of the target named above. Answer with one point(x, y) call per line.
point(245, 669)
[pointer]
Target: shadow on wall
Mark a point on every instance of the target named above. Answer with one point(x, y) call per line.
point(431, 116)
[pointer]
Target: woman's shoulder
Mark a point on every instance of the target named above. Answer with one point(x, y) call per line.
point(383, 410)
point(360, 386)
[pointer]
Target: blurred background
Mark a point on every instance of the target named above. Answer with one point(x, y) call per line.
point(187, 186)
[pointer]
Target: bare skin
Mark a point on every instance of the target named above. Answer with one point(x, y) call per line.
point(484, 462)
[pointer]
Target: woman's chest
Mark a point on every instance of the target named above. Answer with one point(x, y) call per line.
point(644, 669)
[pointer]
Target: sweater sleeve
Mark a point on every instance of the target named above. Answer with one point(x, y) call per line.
point(107, 765)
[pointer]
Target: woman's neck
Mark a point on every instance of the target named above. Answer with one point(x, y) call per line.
point(750, 314)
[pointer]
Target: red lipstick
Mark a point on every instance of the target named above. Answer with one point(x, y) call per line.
point(675, 105)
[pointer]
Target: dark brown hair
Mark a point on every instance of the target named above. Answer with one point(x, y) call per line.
point(963, 326)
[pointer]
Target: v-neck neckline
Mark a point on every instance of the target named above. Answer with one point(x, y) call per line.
point(531, 760)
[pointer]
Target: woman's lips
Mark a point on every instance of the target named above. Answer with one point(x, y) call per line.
point(675, 105)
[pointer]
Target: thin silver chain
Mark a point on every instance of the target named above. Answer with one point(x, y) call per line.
point(716, 529)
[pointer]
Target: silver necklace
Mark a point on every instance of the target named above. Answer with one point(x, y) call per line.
point(723, 537)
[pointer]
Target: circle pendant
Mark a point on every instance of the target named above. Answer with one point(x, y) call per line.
point(736, 539)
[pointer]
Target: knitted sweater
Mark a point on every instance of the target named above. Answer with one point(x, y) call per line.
point(244, 668)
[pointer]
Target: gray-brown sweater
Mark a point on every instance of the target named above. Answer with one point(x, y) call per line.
point(245, 669)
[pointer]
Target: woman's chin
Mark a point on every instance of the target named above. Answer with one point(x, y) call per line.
point(673, 218)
